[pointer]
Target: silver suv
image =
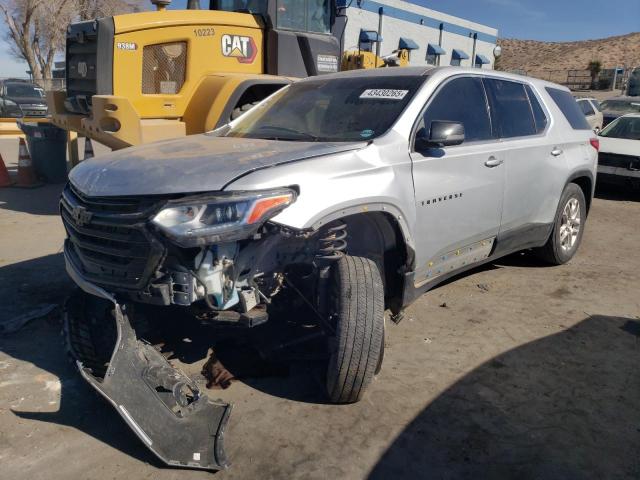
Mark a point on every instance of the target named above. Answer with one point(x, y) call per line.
point(355, 192)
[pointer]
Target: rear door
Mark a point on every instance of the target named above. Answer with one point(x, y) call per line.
point(458, 189)
point(535, 169)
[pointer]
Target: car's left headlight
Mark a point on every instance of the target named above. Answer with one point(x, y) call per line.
point(221, 218)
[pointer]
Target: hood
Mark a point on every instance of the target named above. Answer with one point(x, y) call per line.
point(28, 100)
point(621, 146)
point(197, 163)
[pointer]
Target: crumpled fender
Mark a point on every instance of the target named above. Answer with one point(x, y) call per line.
point(164, 407)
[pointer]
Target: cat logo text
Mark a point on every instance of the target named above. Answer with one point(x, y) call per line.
point(242, 48)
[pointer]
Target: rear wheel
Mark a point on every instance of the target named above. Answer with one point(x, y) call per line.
point(356, 306)
point(568, 227)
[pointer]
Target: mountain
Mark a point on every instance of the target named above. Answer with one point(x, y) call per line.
point(548, 59)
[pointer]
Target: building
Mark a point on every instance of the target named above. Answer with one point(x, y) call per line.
point(440, 39)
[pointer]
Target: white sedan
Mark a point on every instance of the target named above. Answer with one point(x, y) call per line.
point(620, 149)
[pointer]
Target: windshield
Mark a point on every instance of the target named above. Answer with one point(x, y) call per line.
point(333, 110)
point(24, 90)
point(625, 106)
point(257, 7)
point(624, 127)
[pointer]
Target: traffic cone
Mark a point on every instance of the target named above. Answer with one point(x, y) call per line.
point(26, 172)
point(88, 149)
point(5, 179)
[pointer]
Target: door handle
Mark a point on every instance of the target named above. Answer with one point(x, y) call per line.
point(556, 151)
point(493, 162)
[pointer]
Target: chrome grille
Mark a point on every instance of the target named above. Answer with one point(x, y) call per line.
point(108, 240)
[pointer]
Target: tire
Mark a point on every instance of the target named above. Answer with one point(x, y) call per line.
point(559, 249)
point(356, 305)
point(241, 110)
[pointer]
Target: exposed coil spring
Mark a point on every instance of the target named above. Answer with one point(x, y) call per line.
point(333, 244)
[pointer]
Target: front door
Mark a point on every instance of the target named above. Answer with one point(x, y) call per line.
point(458, 189)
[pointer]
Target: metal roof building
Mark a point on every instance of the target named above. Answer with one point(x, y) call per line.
point(441, 39)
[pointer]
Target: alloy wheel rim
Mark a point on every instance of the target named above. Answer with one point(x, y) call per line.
point(570, 225)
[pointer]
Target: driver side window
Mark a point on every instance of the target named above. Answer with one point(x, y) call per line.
point(461, 100)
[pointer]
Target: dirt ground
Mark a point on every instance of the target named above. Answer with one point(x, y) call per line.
point(512, 371)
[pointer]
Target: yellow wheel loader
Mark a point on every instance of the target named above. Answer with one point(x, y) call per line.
point(147, 76)
point(365, 58)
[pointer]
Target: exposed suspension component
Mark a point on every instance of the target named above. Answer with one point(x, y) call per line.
point(332, 245)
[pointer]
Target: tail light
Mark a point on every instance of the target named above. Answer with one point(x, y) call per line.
point(595, 143)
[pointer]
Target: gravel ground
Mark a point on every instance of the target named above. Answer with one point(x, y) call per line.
point(512, 371)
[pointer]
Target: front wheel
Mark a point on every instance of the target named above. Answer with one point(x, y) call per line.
point(242, 109)
point(356, 306)
point(568, 227)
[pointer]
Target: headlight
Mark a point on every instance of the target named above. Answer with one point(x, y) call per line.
point(10, 103)
point(222, 218)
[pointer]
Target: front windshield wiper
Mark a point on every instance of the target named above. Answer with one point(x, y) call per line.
point(288, 130)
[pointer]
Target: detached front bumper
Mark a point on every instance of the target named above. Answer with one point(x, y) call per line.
point(113, 122)
point(164, 407)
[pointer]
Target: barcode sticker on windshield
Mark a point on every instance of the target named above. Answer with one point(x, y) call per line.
point(385, 93)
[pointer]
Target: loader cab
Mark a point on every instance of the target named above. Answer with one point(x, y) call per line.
point(302, 38)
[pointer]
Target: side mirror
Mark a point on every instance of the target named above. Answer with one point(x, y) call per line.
point(441, 133)
point(445, 133)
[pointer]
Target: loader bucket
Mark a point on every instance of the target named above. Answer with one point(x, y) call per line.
point(164, 407)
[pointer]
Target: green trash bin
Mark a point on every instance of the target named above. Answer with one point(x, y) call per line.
point(48, 149)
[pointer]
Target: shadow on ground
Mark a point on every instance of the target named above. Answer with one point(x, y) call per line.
point(27, 284)
point(36, 201)
point(565, 406)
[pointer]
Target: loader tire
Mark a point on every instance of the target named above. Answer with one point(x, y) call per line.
point(356, 305)
point(242, 109)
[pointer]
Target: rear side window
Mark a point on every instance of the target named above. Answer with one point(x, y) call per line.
point(462, 100)
point(586, 107)
point(569, 108)
point(538, 113)
point(510, 109)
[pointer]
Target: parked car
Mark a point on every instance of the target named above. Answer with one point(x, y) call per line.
point(617, 106)
point(619, 157)
point(20, 98)
point(355, 192)
point(591, 109)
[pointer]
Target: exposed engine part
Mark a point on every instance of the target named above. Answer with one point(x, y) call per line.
point(254, 317)
point(249, 298)
point(182, 288)
point(215, 273)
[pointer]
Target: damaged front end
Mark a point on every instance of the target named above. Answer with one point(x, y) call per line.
point(164, 407)
point(214, 253)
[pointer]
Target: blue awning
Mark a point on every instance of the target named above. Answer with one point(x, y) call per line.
point(459, 54)
point(433, 49)
point(482, 60)
point(407, 44)
point(369, 36)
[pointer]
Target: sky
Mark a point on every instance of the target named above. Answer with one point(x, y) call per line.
point(547, 20)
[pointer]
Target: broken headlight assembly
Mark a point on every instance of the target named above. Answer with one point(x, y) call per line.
point(201, 220)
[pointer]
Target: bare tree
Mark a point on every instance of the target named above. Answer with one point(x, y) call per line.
point(37, 28)
point(90, 9)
